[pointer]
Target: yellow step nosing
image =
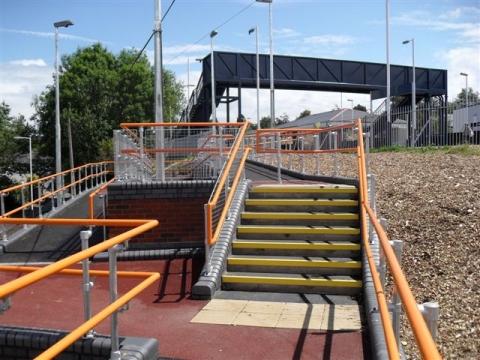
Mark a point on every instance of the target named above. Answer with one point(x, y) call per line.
point(299, 189)
point(301, 202)
point(298, 216)
point(295, 262)
point(238, 244)
point(291, 281)
point(254, 229)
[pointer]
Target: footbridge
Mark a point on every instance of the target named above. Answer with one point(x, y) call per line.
point(257, 242)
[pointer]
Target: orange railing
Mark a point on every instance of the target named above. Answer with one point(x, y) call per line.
point(422, 334)
point(91, 198)
point(212, 230)
point(35, 275)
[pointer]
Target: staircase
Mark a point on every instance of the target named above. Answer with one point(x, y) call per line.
point(297, 238)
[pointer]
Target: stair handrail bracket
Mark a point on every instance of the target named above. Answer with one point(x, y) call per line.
point(423, 337)
point(216, 210)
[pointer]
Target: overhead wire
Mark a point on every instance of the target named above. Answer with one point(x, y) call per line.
point(216, 28)
point(151, 35)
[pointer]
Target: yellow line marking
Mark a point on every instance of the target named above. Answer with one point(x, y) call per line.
point(290, 281)
point(304, 189)
point(295, 263)
point(299, 216)
point(238, 244)
point(300, 202)
point(317, 230)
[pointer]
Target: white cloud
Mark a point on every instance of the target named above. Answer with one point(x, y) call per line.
point(462, 59)
point(52, 34)
point(329, 40)
point(21, 80)
point(285, 33)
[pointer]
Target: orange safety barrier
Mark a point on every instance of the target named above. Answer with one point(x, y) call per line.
point(61, 266)
point(91, 197)
point(212, 234)
point(176, 150)
point(65, 342)
point(423, 338)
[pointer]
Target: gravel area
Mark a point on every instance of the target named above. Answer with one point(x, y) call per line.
point(432, 201)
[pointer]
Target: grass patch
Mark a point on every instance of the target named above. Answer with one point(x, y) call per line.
point(465, 149)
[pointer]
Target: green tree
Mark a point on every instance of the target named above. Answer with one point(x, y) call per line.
point(98, 91)
point(265, 121)
point(473, 97)
point(304, 113)
point(360, 107)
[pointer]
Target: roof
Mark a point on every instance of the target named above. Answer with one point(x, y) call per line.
point(339, 116)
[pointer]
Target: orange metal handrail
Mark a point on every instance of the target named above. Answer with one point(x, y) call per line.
point(48, 177)
point(91, 197)
point(57, 348)
point(423, 337)
point(182, 124)
point(221, 182)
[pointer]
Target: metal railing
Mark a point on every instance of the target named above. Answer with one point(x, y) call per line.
point(217, 208)
point(38, 198)
point(436, 124)
point(113, 246)
point(184, 151)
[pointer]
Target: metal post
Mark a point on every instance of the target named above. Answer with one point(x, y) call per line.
point(367, 151)
point(396, 302)
point(58, 144)
point(112, 277)
point(317, 156)
point(85, 235)
point(159, 135)
point(258, 77)
point(414, 96)
point(302, 156)
point(279, 158)
point(335, 155)
point(387, 33)
point(372, 194)
point(207, 245)
point(2, 210)
point(142, 150)
point(40, 202)
point(431, 314)
point(272, 84)
point(212, 78)
point(104, 207)
point(31, 168)
point(382, 265)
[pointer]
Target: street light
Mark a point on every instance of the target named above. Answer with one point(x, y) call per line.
point(212, 76)
point(466, 92)
point(58, 141)
point(413, 124)
point(272, 86)
point(351, 106)
point(29, 138)
point(255, 30)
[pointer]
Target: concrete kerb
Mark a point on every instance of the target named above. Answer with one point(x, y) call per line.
point(208, 284)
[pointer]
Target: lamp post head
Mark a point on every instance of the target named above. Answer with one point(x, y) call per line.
point(21, 138)
point(213, 34)
point(405, 42)
point(463, 74)
point(252, 30)
point(265, 1)
point(63, 23)
point(199, 60)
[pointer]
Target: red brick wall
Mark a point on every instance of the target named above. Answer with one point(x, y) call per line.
point(181, 219)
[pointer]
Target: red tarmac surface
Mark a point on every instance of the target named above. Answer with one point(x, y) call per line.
point(164, 311)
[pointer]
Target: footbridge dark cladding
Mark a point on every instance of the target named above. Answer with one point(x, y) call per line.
point(305, 73)
point(238, 70)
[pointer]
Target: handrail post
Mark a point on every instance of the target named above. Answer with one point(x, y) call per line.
point(335, 155)
point(207, 237)
point(23, 203)
point(2, 210)
point(85, 235)
point(431, 312)
point(142, 152)
point(372, 195)
point(39, 187)
point(382, 264)
point(104, 199)
point(279, 158)
point(302, 156)
point(367, 151)
point(396, 303)
point(317, 156)
point(72, 181)
point(113, 283)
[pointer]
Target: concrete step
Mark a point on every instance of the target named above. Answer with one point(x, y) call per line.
point(301, 205)
point(292, 283)
point(314, 191)
point(296, 248)
point(300, 218)
point(294, 265)
point(275, 232)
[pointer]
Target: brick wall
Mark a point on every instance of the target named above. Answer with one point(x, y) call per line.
point(177, 205)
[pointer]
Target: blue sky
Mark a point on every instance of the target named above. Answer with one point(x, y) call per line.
point(447, 34)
